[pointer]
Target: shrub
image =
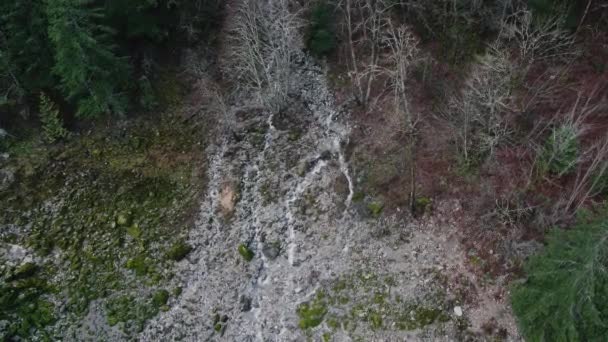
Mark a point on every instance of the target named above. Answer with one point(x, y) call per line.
point(375, 209)
point(52, 125)
point(321, 36)
point(561, 151)
point(564, 297)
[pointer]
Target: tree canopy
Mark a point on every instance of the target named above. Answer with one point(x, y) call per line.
point(85, 53)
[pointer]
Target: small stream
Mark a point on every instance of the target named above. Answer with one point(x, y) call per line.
point(291, 172)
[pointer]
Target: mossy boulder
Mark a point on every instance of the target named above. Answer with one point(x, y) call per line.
point(160, 298)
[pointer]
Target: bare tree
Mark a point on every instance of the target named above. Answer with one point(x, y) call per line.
point(263, 43)
point(404, 54)
point(365, 23)
point(539, 40)
point(478, 112)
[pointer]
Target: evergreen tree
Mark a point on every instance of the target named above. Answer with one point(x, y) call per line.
point(90, 72)
point(73, 47)
point(52, 125)
point(565, 297)
point(24, 44)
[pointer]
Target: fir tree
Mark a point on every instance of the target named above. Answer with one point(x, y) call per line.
point(565, 297)
point(25, 45)
point(90, 72)
point(52, 125)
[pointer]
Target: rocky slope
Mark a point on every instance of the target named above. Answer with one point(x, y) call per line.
point(281, 252)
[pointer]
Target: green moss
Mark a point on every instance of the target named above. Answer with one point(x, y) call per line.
point(294, 135)
point(343, 300)
point(390, 281)
point(379, 298)
point(365, 297)
point(340, 285)
point(128, 309)
point(245, 252)
point(312, 314)
point(375, 320)
point(160, 298)
point(84, 203)
point(417, 317)
point(25, 270)
point(326, 337)
point(24, 307)
point(333, 323)
point(179, 250)
point(217, 327)
point(138, 264)
point(422, 205)
point(134, 231)
point(358, 196)
point(123, 219)
point(375, 209)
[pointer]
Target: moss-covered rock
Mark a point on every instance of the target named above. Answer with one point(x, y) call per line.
point(312, 314)
point(138, 264)
point(179, 250)
point(107, 200)
point(365, 299)
point(245, 252)
point(24, 306)
point(160, 298)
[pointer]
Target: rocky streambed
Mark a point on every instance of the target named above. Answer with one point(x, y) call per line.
point(283, 252)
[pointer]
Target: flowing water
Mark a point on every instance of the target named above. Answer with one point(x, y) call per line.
point(280, 183)
point(283, 193)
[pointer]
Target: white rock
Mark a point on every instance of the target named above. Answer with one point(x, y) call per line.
point(458, 311)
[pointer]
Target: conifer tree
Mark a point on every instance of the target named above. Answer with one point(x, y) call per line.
point(24, 44)
point(565, 297)
point(91, 74)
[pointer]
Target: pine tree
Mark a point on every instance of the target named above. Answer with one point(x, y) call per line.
point(565, 297)
point(90, 72)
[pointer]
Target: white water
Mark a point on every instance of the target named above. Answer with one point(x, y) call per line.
point(214, 277)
